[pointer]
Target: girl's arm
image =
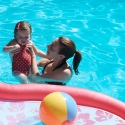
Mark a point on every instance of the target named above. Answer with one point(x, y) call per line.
point(42, 62)
point(11, 46)
point(40, 53)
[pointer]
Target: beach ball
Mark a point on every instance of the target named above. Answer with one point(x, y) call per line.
point(58, 108)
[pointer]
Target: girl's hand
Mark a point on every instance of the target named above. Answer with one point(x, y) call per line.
point(16, 49)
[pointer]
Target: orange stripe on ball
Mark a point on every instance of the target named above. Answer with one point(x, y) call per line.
point(47, 116)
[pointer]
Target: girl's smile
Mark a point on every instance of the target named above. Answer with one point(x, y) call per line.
point(22, 37)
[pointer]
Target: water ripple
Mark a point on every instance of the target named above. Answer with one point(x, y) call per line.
point(3, 8)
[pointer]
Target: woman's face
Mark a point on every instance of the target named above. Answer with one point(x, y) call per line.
point(53, 49)
point(23, 37)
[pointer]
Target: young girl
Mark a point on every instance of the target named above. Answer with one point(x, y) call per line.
point(18, 49)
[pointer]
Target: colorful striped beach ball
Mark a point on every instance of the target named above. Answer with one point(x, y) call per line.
point(58, 108)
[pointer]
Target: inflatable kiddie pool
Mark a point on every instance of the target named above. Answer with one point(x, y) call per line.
point(19, 105)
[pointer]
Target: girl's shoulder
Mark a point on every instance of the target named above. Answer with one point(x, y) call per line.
point(12, 42)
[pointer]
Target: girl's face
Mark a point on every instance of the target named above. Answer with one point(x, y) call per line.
point(23, 37)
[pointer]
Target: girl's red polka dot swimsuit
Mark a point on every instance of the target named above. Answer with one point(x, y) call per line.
point(21, 61)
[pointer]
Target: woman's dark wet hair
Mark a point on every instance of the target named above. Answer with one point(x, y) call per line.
point(68, 49)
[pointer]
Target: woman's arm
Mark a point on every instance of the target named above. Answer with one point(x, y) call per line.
point(34, 68)
point(58, 75)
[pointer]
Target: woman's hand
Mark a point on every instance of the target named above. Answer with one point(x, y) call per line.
point(30, 49)
point(29, 45)
point(34, 78)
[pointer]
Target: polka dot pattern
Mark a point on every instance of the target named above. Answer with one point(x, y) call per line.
point(22, 61)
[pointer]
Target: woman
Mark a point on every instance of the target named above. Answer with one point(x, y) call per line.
point(56, 71)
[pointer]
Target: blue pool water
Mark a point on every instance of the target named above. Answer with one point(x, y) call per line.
point(97, 28)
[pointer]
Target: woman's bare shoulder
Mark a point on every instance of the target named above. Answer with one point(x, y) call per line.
point(65, 69)
point(43, 62)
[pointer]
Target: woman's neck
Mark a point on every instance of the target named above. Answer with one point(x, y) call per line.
point(57, 63)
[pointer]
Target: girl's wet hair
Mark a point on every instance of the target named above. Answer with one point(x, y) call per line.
point(22, 25)
point(68, 49)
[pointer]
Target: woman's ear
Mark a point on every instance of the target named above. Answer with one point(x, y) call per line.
point(62, 56)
